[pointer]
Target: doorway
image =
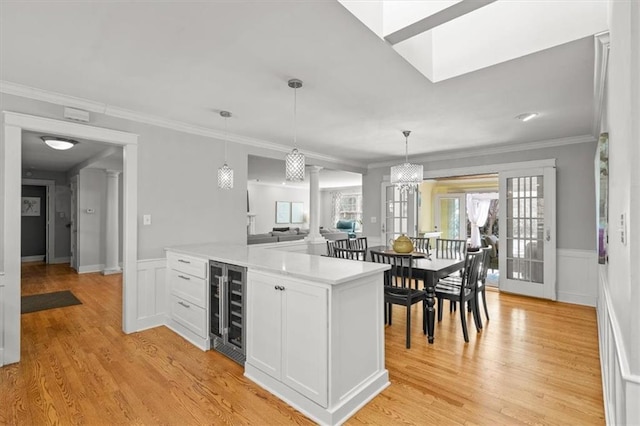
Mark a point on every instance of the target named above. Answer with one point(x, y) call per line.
point(10, 144)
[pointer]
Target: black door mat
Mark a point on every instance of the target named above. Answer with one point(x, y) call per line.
point(40, 302)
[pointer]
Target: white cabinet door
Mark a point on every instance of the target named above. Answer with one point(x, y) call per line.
point(264, 324)
point(304, 340)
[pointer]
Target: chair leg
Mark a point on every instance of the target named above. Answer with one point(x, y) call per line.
point(408, 325)
point(463, 319)
point(452, 306)
point(484, 303)
point(477, 319)
point(440, 304)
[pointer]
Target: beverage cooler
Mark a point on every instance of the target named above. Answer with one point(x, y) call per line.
point(227, 324)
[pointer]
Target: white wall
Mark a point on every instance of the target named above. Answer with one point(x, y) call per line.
point(262, 202)
point(92, 184)
point(623, 109)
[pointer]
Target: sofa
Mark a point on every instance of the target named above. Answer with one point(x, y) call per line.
point(348, 226)
point(278, 235)
point(491, 241)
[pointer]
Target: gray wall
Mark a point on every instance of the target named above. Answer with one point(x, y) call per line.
point(33, 233)
point(92, 184)
point(262, 202)
point(575, 205)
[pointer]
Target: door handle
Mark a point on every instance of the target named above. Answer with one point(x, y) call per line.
point(548, 237)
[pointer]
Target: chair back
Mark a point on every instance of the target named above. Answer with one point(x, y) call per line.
point(351, 254)
point(484, 267)
point(421, 244)
point(358, 243)
point(472, 264)
point(451, 249)
point(336, 243)
point(401, 272)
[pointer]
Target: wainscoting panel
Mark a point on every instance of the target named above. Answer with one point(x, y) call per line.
point(2, 301)
point(577, 276)
point(152, 294)
point(621, 389)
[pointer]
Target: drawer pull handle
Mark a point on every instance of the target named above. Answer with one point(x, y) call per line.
point(184, 304)
point(183, 261)
point(183, 277)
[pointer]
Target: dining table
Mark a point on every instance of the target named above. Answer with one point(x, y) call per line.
point(429, 269)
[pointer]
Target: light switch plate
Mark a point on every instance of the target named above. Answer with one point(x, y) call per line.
point(146, 219)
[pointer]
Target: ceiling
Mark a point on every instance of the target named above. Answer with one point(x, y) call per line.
point(36, 155)
point(186, 61)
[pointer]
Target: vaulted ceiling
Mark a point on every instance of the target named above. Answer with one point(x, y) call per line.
point(186, 61)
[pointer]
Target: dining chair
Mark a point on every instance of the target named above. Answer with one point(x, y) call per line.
point(483, 267)
point(421, 244)
point(463, 293)
point(400, 288)
point(450, 249)
point(358, 243)
point(344, 243)
point(351, 254)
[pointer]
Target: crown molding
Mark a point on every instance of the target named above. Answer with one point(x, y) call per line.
point(601, 43)
point(489, 150)
point(122, 113)
point(288, 185)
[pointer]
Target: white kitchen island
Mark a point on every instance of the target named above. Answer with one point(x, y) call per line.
point(314, 326)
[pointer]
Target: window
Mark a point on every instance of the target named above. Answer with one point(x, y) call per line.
point(350, 208)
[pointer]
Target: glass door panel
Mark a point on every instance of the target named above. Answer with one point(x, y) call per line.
point(399, 213)
point(528, 246)
point(450, 216)
point(235, 308)
point(216, 277)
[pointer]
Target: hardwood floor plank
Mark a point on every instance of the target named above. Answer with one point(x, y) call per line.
point(534, 362)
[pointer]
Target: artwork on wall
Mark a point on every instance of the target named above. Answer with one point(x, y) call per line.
point(297, 212)
point(283, 212)
point(30, 206)
point(602, 182)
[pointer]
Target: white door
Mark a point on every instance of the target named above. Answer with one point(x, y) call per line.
point(398, 213)
point(74, 222)
point(450, 216)
point(527, 243)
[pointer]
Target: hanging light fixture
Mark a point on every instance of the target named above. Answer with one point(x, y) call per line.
point(225, 173)
point(294, 161)
point(407, 176)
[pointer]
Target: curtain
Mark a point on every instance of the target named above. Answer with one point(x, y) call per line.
point(477, 212)
point(336, 201)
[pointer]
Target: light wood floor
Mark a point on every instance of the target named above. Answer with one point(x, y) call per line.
point(536, 362)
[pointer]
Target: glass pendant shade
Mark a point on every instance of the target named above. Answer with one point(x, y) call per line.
point(407, 176)
point(294, 161)
point(225, 177)
point(225, 173)
point(294, 166)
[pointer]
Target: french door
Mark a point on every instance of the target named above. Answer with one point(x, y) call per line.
point(398, 213)
point(527, 244)
point(451, 216)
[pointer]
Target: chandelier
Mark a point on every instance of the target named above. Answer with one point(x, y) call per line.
point(225, 173)
point(407, 176)
point(294, 161)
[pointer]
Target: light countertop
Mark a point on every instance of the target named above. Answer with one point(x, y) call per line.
point(299, 265)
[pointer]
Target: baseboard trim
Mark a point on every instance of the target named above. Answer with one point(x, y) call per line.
point(59, 260)
point(88, 269)
point(38, 258)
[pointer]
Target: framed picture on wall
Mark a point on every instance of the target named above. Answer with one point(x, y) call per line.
point(30, 206)
point(297, 212)
point(283, 212)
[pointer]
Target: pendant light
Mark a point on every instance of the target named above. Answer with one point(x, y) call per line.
point(407, 176)
point(294, 161)
point(225, 173)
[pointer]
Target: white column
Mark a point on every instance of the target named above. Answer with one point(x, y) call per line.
point(112, 240)
point(314, 204)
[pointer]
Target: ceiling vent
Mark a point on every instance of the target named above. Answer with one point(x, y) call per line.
point(76, 114)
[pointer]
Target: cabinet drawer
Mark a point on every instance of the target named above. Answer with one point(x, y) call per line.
point(187, 264)
point(188, 287)
point(189, 315)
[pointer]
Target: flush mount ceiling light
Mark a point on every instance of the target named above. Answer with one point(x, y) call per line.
point(407, 176)
point(225, 173)
point(60, 144)
point(527, 116)
point(294, 161)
